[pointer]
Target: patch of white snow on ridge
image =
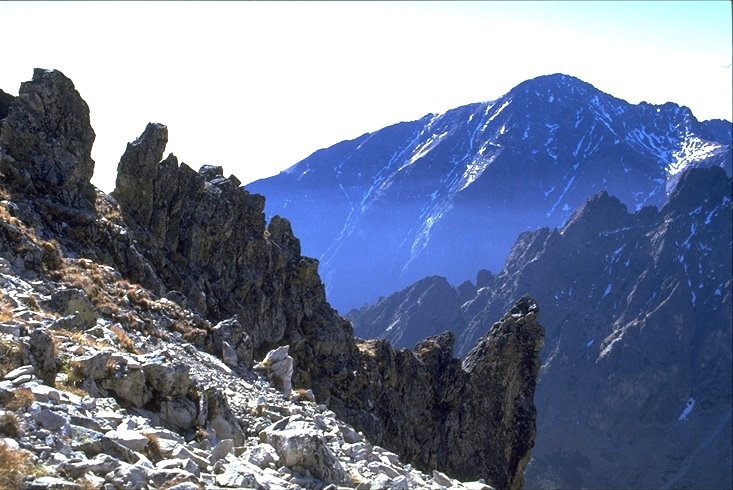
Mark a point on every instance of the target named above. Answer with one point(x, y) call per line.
point(693, 149)
point(687, 410)
point(608, 290)
point(559, 199)
point(476, 168)
point(495, 114)
point(424, 149)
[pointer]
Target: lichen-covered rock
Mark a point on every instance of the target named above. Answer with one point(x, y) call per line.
point(215, 413)
point(48, 135)
point(42, 353)
point(230, 338)
point(69, 301)
point(5, 100)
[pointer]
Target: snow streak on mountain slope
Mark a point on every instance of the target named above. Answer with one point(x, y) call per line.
point(448, 194)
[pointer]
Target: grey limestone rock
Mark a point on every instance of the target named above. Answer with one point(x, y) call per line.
point(42, 353)
point(51, 483)
point(278, 367)
point(299, 443)
point(70, 301)
point(48, 134)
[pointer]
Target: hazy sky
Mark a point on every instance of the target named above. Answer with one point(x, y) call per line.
point(257, 86)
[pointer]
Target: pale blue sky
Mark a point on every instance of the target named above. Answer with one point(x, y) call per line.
point(257, 86)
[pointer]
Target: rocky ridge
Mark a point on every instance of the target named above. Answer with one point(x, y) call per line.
point(156, 301)
point(638, 367)
point(449, 193)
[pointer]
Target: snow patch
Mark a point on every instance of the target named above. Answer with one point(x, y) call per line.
point(424, 149)
point(565, 191)
point(693, 231)
point(687, 410)
point(495, 114)
point(693, 149)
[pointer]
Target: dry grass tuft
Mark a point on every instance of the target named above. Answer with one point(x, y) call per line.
point(126, 342)
point(15, 465)
point(153, 450)
point(10, 425)
point(6, 308)
point(21, 399)
point(86, 484)
point(72, 379)
point(11, 356)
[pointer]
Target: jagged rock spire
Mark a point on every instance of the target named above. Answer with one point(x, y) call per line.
point(48, 137)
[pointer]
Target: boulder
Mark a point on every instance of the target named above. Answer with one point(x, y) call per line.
point(42, 352)
point(278, 367)
point(300, 444)
point(214, 412)
point(131, 439)
point(262, 455)
point(178, 413)
point(69, 301)
point(50, 420)
point(230, 338)
point(51, 483)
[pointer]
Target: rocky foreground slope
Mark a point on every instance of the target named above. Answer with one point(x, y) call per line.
point(638, 367)
point(131, 325)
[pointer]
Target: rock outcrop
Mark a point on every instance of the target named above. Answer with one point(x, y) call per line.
point(637, 372)
point(48, 135)
point(177, 265)
point(434, 409)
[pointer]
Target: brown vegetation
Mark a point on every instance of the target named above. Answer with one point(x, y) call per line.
point(15, 465)
point(11, 356)
point(10, 425)
point(21, 399)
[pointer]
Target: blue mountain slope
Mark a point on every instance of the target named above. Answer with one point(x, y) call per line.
point(449, 193)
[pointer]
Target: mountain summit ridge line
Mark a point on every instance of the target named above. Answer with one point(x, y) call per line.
point(448, 194)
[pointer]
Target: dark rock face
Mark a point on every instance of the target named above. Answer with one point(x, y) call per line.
point(448, 194)
point(402, 317)
point(200, 240)
point(441, 413)
point(5, 101)
point(637, 368)
point(277, 296)
point(47, 132)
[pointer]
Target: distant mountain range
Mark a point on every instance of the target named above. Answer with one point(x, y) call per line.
point(448, 194)
point(635, 388)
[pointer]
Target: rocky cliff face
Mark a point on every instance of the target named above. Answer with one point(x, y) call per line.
point(186, 258)
point(449, 193)
point(637, 369)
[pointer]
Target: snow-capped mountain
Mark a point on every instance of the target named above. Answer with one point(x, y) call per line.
point(635, 384)
point(449, 193)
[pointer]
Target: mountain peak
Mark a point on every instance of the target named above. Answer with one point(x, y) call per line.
point(556, 84)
